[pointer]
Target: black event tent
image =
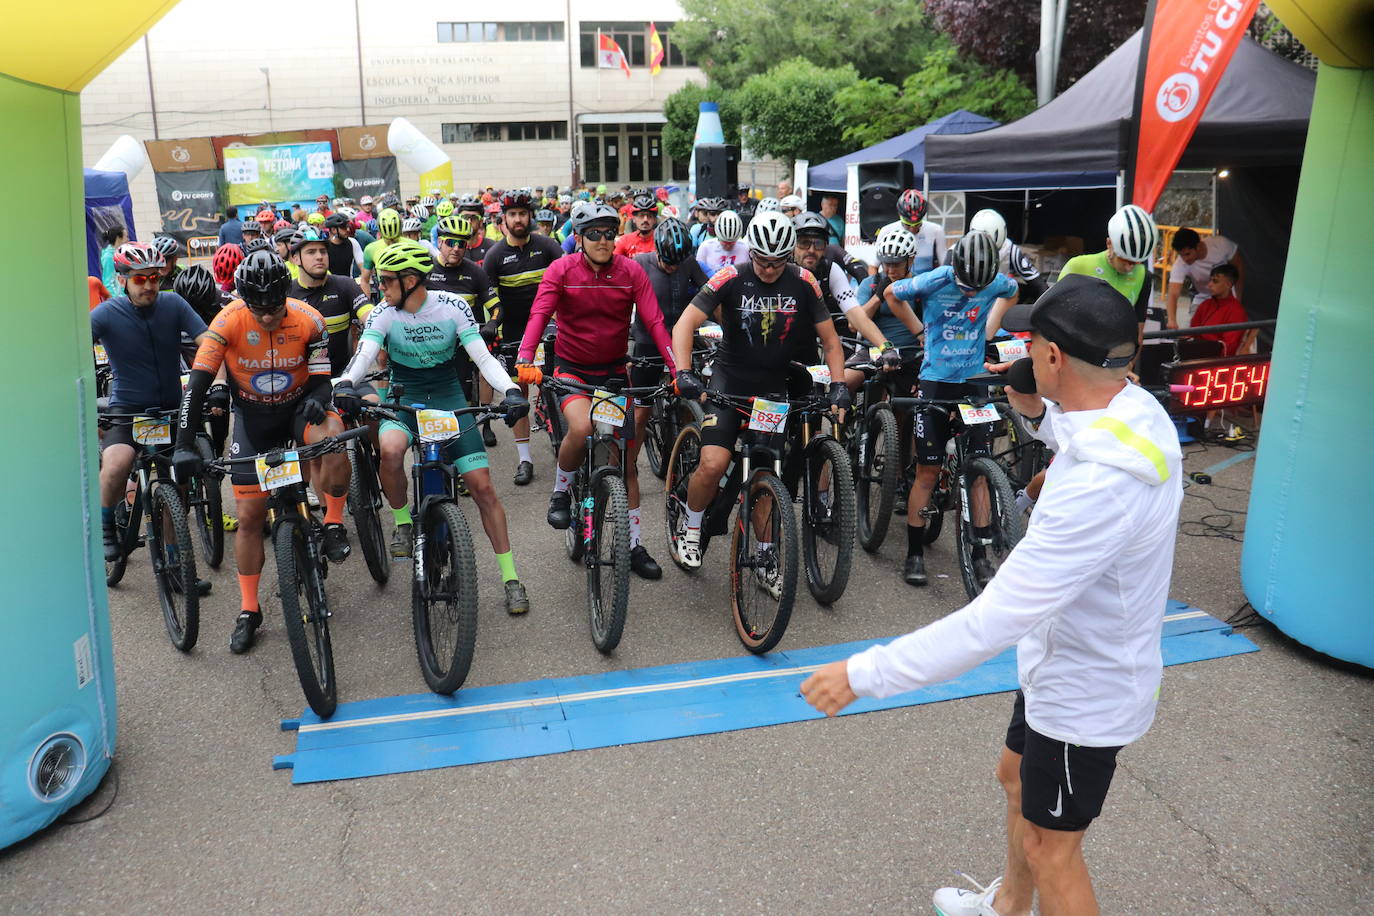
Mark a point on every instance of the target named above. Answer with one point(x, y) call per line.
point(1257, 117)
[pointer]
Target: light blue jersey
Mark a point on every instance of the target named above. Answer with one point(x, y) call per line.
point(955, 324)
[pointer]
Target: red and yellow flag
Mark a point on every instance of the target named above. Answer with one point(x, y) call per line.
point(655, 51)
point(610, 56)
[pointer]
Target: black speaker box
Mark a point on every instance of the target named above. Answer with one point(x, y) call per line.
point(881, 182)
point(717, 171)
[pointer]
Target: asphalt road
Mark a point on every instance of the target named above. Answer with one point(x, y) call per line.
point(1251, 794)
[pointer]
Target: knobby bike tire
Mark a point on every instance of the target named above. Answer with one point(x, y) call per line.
point(877, 459)
point(574, 536)
point(364, 500)
point(760, 622)
point(665, 425)
point(608, 556)
point(553, 418)
point(209, 509)
point(444, 600)
point(128, 518)
point(685, 457)
point(174, 571)
point(305, 612)
point(827, 533)
point(1003, 518)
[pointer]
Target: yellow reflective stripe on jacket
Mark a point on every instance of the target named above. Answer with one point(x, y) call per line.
point(526, 278)
point(337, 323)
point(1131, 439)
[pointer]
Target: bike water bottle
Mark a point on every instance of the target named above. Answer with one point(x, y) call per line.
point(432, 480)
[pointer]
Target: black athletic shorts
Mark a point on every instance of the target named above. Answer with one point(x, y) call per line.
point(933, 424)
point(1063, 785)
point(121, 432)
point(644, 376)
point(596, 376)
point(721, 425)
point(256, 431)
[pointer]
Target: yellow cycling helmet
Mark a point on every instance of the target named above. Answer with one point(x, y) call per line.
point(406, 254)
point(389, 223)
point(443, 208)
point(458, 226)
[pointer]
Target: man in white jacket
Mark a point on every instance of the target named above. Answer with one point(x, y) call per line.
point(1081, 597)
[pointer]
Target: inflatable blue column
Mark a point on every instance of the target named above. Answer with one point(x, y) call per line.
point(1308, 552)
point(709, 130)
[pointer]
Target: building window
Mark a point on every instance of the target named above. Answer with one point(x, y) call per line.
point(633, 38)
point(491, 131)
point(467, 31)
point(532, 31)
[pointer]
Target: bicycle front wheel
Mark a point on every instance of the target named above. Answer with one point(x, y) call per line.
point(174, 567)
point(876, 460)
point(364, 500)
point(444, 598)
point(305, 611)
point(763, 563)
point(828, 520)
point(1004, 526)
point(686, 455)
point(608, 562)
point(208, 504)
point(658, 443)
point(128, 516)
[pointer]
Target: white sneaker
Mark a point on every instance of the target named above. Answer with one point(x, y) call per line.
point(768, 574)
point(688, 546)
point(956, 901)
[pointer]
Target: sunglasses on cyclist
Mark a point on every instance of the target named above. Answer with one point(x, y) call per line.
point(811, 243)
point(387, 281)
point(449, 242)
point(144, 279)
point(258, 308)
point(767, 263)
point(599, 235)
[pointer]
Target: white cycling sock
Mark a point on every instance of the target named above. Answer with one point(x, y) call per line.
point(765, 546)
point(523, 450)
point(694, 517)
point(562, 480)
point(634, 528)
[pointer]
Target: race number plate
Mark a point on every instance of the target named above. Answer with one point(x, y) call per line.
point(101, 357)
point(539, 354)
point(971, 415)
point(710, 332)
point(148, 431)
point(437, 425)
point(284, 474)
point(768, 416)
point(1008, 350)
point(608, 408)
point(875, 353)
point(819, 374)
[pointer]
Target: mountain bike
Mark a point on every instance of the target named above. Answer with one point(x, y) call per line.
point(667, 416)
point(365, 504)
point(156, 503)
point(599, 536)
point(752, 488)
point(298, 544)
point(443, 593)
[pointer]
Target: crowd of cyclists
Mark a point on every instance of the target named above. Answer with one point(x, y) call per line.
point(305, 320)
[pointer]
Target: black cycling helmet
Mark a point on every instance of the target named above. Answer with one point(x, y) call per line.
point(262, 280)
point(336, 221)
point(196, 286)
point(810, 223)
point(975, 260)
point(470, 202)
point(672, 243)
point(258, 244)
point(168, 245)
point(644, 200)
point(284, 236)
point(595, 213)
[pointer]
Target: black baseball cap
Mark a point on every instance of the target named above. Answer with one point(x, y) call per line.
point(1085, 316)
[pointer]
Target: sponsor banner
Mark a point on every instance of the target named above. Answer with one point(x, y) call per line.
point(1185, 50)
point(358, 178)
point(362, 143)
point(196, 154)
point(190, 203)
point(298, 171)
point(438, 181)
point(282, 137)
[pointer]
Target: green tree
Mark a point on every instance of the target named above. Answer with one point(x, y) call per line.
point(788, 114)
point(871, 110)
point(733, 40)
point(681, 109)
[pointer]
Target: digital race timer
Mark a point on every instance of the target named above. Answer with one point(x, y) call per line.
point(1230, 381)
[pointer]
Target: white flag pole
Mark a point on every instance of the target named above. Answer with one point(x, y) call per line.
point(598, 64)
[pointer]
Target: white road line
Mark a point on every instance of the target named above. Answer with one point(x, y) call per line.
point(559, 699)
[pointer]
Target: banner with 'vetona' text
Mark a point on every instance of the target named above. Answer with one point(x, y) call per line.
point(1184, 51)
point(299, 171)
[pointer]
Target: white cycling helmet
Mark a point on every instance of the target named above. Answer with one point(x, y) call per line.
point(896, 246)
point(411, 225)
point(729, 227)
point(991, 222)
point(767, 205)
point(770, 234)
point(420, 212)
point(790, 202)
point(1133, 234)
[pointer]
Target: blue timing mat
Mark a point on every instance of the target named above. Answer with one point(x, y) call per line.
point(507, 721)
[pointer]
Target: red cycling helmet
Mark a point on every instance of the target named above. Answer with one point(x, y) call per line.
point(519, 199)
point(136, 257)
point(281, 224)
point(227, 260)
point(266, 217)
point(911, 206)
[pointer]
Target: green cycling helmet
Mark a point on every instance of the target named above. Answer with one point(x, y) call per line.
point(389, 223)
point(457, 226)
point(406, 254)
point(443, 208)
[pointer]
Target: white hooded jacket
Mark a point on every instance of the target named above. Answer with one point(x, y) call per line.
point(1082, 596)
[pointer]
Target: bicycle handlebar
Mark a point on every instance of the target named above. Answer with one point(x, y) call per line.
point(304, 452)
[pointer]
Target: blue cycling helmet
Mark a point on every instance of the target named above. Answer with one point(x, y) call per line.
point(672, 243)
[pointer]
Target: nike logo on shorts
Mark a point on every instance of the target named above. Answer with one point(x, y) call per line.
point(1058, 808)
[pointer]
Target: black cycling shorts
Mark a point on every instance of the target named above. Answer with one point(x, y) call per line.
point(1063, 785)
point(597, 376)
point(933, 424)
point(259, 430)
point(721, 425)
point(645, 376)
point(121, 432)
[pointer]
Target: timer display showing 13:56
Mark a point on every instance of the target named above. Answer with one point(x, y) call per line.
point(1235, 381)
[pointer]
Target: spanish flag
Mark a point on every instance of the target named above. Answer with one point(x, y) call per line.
point(655, 51)
point(610, 56)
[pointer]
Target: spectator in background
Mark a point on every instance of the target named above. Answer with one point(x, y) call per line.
point(830, 209)
point(1222, 308)
point(96, 287)
point(231, 232)
point(113, 237)
point(322, 206)
point(298, 215)
point(784, 188)
point(1196, 258)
